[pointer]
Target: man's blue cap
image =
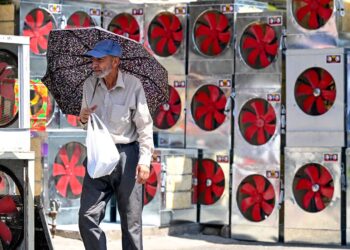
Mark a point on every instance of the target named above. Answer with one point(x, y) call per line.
point(105, 48)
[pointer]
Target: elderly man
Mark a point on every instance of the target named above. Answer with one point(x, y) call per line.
point(119, 100)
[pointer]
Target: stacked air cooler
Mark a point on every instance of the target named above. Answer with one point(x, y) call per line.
point(208, 119)
point(16, 160)
point(257, 132)
point(315, 106)
point(64, 152)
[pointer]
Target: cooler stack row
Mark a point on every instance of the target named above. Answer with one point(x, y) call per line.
point(316, 87)
point(256, 167)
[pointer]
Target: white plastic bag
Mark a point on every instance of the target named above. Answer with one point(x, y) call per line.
point(102, 154)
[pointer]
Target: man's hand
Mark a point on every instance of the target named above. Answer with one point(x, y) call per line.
point(85, 113)
point(142, 173)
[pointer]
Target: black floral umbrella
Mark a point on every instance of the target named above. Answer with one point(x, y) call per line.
point(68, 68)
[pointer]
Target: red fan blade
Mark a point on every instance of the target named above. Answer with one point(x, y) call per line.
point(5, 233)
point(319, 202)
point(250, 132)
point(264, 61)
point(208, 121)
point(164, 20)
point(39, 18)
point(247, 203)
point(176, 109)
point(171, 46)
point(259, 183)
point(313, 173)
point(75, 156)
point(258, 107)
point(75, 185)
point(270, 34)
point(202, 30)
point(257, 31)
point(320, 105)
point(269, 194)
point(307, 105)
point(122, 21)
point(177, 36)
point(327, 191)
point(270, 116)
point(256, 212)
point(75, 19)
point(217, 190)
point(307, 199)
point(326, 80)
point(266, 207)
point(79, 171)
point(64, 157)
point(30, 21)
point(248, 117)
point(302, 12)
point(133, 26)
point(221, 103)
point(62, 185)
point(200, 112)
point(34, 45)
point(160, 45)
point(325, 13)
point(206, 44)
point(158, 32)
point(214, 93)
point(271, 49)
point(45, 30)
point(312, 77)
point(313, 20)
point(253, 55)
point(170, 119)
point(219, 117)
point(270, 128)
point(175, 23)
point(211, 20)
point(160, 117)
point(224, 37)
point(58, 169)
point(328, 95)
point(248, 188)
point(7, 205)
point(42, 42)
point(303, 184)
point(250, 43)
point(303, 89)
point(202, 98)
point(223, 23)
point(325, 177)
point(216, 47)
point(87, 22)
point(261, 138)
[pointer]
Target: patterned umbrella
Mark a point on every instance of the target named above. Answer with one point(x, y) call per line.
point(68, 68)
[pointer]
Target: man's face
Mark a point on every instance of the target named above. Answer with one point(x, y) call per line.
point(102, 67)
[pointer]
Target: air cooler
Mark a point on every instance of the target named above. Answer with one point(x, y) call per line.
point(312, 195)
point(166, 30)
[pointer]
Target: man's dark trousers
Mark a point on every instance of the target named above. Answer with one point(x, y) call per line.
point(96, 194)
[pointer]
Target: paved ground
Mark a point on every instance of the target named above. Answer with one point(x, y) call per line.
point(158, 239)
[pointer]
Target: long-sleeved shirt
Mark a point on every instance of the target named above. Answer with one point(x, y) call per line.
point(124, 111)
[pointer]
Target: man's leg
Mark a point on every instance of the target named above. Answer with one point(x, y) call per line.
point(95, 195)
point(129, 199)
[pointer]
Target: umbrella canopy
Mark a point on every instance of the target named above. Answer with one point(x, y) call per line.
point(68, 67)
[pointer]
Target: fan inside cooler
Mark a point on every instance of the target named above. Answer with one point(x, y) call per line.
point(8, 88)
point(259, 45)
point(209, 181)
point(208, 107)
point(315, 91)
point(151, 184)
point(313, 187)
point(11, 210)
point(80, 19)
point(37, 25)
point(257, 121)
point(256, 198)
point(165, 34)
point(169, 113)
point(69, 170)
point(126, 25)
point(312, 14)
point(212, 33)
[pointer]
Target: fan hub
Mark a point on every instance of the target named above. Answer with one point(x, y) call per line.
point(69, 170)
point(166, 107)
point(195, 182)
point(260, 123)
point(208, 182)
point(315, 187)
point(317, 92)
